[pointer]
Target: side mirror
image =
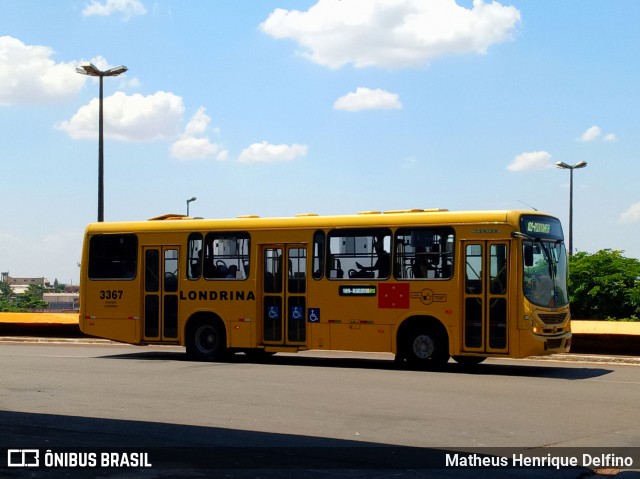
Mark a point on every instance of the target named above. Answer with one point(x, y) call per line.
point(528, 255)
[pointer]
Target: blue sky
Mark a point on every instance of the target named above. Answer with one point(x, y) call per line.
point(328, 106)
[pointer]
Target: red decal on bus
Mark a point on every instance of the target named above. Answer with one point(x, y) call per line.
point(394, 296)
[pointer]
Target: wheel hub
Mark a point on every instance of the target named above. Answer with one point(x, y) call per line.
point(423, 346)
point(206, 339)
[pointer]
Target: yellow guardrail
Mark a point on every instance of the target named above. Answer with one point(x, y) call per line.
point(631, 328)
point(39, 318)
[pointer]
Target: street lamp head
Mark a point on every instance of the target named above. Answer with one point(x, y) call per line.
point(115, 71)
point(565, 166)
point(88, 69)
point(582, 164)
point(91, 70)
point(193, 198)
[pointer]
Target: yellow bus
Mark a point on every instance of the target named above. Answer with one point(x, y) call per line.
point(425, 285)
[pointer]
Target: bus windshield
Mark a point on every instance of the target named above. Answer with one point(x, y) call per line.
point(545, 262)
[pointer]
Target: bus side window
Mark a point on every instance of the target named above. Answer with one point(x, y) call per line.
point(473, 270)
point(194, 256)
point(424, 253)
point(226, 255)
point(359, 253)
point(318, 254)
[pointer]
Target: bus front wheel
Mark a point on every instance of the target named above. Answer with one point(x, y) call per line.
point(425, 348)
point(206, 341)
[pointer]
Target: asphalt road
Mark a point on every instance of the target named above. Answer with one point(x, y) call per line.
point(103, 396)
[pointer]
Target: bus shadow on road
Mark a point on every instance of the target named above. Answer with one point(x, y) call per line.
point(534, 371)
point(488, 368)
point(176, 450)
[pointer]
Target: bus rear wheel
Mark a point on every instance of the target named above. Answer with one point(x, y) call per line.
point(206, 341)
point(425, 348)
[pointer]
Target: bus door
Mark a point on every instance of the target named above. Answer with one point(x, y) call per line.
point(284, 295)
point(486, 289)
point(160, 320)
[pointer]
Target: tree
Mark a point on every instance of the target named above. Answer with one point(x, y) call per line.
point(27, 301)
point(604, 285)
point(7, 298)
point(58, 287)
point(32, 298)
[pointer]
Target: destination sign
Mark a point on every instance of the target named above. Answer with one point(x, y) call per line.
point(541, 227)
point(537, 227)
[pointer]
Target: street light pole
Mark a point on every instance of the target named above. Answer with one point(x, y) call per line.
point(189, 201)
point(91, 70)
point(565, 166)
point(101, 155)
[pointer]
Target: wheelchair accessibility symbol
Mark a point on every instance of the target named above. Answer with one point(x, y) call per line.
point(297, 312)
point(274, 312)
point(314, 315)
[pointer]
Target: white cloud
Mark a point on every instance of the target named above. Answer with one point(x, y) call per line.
point(367, 99)
point(132, 83)
point(392, 33)
point(632, 215)
point(591, 134)
point(127, 8)
point(146, 118)
point(28, 75)
point(531, 161)
point(594, 133)
point(192, 146)
point(269, 153)
point(128, 117)
point(198, 123)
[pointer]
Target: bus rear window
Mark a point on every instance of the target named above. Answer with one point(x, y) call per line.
point(113, 256)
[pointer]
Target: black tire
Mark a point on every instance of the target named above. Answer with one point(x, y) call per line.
point(206, 341)
point(469, 361)
point(425, 349)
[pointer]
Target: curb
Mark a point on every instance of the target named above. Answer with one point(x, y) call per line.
point(45, 330)
point(616, 344)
